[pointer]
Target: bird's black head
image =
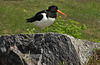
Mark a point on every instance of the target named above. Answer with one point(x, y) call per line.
point(53, 8)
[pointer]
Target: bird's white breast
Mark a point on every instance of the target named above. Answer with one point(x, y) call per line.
point(45, 22)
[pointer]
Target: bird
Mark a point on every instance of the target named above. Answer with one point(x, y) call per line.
point(45, 18)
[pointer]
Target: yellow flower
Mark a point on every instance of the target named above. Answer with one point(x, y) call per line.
point(24, 10)
point(59, 16)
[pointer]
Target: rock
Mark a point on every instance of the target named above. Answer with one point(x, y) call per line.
point(44, 49)
point(85, 49)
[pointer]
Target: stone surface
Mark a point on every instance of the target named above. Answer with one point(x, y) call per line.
point(45, 49)
point(84, 49)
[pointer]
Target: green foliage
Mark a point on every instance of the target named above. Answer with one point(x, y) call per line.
point(70, 27)
point(30, 31)
point(95, 40)
point(83, 27)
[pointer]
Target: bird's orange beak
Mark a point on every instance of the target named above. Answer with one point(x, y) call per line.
point(61, 12)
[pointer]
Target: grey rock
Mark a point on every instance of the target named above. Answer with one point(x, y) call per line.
point(45, 49)
point(84, 48)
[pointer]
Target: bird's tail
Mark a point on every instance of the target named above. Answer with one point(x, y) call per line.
point(28, 20)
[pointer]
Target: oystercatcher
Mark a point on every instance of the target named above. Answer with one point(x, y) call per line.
point(45, 18)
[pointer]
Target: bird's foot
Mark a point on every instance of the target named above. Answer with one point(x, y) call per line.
point(43, 30)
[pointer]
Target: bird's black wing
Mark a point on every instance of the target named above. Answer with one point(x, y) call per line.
point(37, 17)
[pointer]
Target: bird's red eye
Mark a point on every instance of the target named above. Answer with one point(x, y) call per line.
point(54, 7)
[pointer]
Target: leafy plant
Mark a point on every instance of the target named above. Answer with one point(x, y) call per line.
point(95, 40)
point(71, 27)
point(30, 31)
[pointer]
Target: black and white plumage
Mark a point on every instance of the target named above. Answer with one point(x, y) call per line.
point(45, 18)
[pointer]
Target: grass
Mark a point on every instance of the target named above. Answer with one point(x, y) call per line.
point(13, 15)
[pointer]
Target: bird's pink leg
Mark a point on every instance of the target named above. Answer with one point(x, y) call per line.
point(42, 30)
